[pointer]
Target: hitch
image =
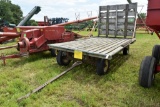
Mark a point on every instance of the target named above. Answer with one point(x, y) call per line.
point(8, 47)
point(3, 57)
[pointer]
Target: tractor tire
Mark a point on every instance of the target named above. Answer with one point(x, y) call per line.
point(126, 50)
point(53, 53)
point(156, 53)
point(146, 72)
point(102, 66)
point(62, 58)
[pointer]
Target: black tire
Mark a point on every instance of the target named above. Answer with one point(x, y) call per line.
point(156, 52)
point(53, 53)
point(102, 66)
point(152, 33)
point(146, 72)
point(62, 58)
point(126, 50)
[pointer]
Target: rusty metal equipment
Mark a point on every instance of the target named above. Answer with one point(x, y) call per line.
point(116, 32)
point(140, 25)
point(151, 64)
point(35, 38)
point(52, 21)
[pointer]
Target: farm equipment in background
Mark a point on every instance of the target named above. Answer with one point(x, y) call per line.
point(82, 26)
point(4, 23)
point(52, 21)
point(35, 38)
point(151, 64)
point(10, 31)
point(35, 10)
point(141, 26)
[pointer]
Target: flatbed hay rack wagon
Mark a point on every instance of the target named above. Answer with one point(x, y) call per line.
point(116, 32)
point(151, 64)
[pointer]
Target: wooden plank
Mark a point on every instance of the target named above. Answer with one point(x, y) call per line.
point(133, 6)
point(130, 27)
point(112, 26)
point(99, 21)
point(103, 20)
point(103, 27)
point(116, 21)
point(126, 20)
point(103, 44)
point(113, 48)
point(120, 7)
point(120, 20)
point(113, 45)
point(102, 32)
point(107, 21)
point(121, 33)
point(120, 14)
point(119, 27)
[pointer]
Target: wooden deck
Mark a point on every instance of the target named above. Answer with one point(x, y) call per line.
point(96, 47)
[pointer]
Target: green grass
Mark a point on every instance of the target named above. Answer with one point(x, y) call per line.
point(81, 87)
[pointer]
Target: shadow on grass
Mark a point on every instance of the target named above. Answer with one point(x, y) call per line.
point(87, 72)
point(31, 58)
point(157, 82)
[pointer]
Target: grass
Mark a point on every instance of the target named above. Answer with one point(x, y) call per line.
point(81, 87)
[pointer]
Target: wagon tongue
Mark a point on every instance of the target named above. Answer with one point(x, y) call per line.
point(8, 47)
point(4, 57)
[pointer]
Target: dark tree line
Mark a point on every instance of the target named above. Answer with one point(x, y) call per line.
point(10, 12)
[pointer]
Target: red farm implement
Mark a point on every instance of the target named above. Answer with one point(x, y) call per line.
point(141, 26)
point(35, 38)
point(150, 64)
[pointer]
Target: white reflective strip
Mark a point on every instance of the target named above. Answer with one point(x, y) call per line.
point(1, 33)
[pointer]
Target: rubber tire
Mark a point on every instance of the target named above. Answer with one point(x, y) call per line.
point(126, 50)
point(152, 33)
point(61, 57)
point(101, 66)
point(146, 72)
point(156, 52)
point(53, 53)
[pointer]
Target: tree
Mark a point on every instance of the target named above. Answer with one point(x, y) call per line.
point(142, 15)
point(17, 13)
point(32, 23)
point(10, 12)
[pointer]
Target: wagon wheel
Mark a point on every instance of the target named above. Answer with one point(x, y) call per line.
point(53, 52)
point(156, 52)
point(126, 50)
point(102, 66)
point(146, 72)
point(62, 58)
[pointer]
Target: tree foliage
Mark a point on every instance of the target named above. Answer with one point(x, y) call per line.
point(10, 12)
point(32, 23)
point(142, 15)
